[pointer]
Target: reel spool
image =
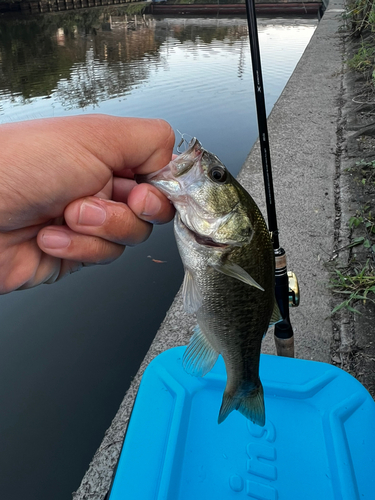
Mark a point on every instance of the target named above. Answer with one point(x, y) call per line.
point(293, 289)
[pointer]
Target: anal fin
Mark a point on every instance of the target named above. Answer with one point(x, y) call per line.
point(200, 356)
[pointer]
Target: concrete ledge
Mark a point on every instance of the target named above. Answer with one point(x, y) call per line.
point(303, 137)
point(264, 7)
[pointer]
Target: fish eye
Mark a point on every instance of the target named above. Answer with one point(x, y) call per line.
point(218, 174)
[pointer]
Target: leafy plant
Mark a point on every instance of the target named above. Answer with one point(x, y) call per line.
point(363, 59)
point(363, 217)
point(136, 8)
point(355, 285)
point(362, 15)
point(356, 282)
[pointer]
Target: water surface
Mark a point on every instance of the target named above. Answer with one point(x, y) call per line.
point(69, 351)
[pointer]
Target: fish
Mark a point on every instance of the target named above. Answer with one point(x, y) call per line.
point(229, 280)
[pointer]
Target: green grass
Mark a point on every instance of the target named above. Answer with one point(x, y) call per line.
point(361, 16)
point(355, 282)
point(361, 13)
point(136, 8)
point(355, 285)
point(363, 59)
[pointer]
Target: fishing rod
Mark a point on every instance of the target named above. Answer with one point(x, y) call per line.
point(286, 284)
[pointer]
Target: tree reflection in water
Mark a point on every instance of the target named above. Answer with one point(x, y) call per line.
point(86, 57)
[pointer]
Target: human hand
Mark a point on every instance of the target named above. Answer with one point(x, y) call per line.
point(68, 197)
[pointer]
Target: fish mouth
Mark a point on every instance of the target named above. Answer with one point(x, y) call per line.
point(202, 240)
point(176, 168)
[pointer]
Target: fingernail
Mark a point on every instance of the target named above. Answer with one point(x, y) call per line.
point(55, 239)
point(152, 205)
point(91, 214)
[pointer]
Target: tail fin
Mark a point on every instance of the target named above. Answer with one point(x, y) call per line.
point(250, 405)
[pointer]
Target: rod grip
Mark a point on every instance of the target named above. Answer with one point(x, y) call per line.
point(285, 347)
point(284, 338)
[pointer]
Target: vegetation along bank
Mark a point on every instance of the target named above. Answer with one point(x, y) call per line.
point(353, 261)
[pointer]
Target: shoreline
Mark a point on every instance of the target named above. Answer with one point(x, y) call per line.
point(30, 7)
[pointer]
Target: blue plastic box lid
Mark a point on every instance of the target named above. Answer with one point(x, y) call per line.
point(318, 441)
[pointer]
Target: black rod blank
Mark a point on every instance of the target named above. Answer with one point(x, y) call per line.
point(262, 121)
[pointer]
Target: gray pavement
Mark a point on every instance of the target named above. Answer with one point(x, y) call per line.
point(305, 149)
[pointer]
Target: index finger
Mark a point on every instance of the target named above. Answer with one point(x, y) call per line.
point(48, 163)
point(139, 144)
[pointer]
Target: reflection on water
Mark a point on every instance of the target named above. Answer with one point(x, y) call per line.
point(195, 73)
point(68, 351)
point(82, 61)
point(77, 60)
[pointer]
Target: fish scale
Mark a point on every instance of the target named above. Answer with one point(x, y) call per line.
point(237, 320)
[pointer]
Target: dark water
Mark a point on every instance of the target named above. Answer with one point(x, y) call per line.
point(69, 351)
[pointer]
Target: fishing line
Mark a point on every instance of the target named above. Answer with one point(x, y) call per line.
point(183, 141)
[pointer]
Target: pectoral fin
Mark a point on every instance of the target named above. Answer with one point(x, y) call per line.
point(200, 356)
point(191, 295)
point(235, 271)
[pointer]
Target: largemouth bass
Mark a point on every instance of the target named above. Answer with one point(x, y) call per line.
point(229, 283)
